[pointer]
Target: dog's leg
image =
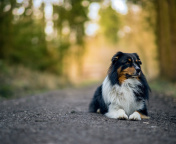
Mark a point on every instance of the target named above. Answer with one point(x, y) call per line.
point(138, 116)
point(135, 116)
point(143, 112)
point(144, 116)
point(117, 114)
point(121, 115)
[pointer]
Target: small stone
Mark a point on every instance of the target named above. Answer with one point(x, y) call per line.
point(165, 129)
point(153, 126)
point(73, 111)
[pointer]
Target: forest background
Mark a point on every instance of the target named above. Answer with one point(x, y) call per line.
point(52, 44)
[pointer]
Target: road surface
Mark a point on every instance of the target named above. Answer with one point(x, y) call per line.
point(61, 117)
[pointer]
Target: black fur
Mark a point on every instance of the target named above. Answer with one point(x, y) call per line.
point(98, 102)
point(119, 60)
point(144, 110)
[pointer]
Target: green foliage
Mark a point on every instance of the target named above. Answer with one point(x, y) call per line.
point(72, 15)
point(109, 23)
point(17, 81)
point(6, 91)
point(22, 37)
point(5, 88)
point(164, 87)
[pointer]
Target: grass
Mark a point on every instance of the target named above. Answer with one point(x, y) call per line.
point(88, 83)
point(18, 81)
point(163, 86)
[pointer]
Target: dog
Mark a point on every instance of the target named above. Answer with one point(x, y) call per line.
point(124, 92)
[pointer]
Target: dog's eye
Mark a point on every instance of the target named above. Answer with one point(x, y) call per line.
point(128, 61)
point(138, 62)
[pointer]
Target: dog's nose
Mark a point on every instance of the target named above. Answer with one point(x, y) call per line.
point(138, 70)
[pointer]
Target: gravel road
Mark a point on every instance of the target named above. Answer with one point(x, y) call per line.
point(61, 117)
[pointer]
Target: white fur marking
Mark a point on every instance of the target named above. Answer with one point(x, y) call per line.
point(111, 114)
point(135, 116)
point(121, 97)
point(120, 114)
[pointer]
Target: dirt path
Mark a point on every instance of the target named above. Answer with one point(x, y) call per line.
point(62, 117)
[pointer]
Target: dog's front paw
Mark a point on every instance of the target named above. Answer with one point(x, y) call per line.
point(121, 115)
point(135, 116)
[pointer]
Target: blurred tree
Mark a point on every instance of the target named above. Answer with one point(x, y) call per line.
point(166, 34)
point(22, 33)
point(72, 15)
point(22, 36)
point(109, 23)
point(6, 27)
point(29, 43)
point(165, 27)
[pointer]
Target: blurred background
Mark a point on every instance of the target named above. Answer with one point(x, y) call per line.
point(52, 44)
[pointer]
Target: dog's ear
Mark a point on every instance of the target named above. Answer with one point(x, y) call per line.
point(116, 56)
point(137, 56)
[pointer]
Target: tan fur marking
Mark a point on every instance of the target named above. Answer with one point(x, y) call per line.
point(129, 70)
point(122, 74)
point(118, 70)
point(122, 79)
point(143, 116)
point(129, 59)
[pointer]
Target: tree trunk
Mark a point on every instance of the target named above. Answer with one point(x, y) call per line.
point(172, 15)
point(166, 34)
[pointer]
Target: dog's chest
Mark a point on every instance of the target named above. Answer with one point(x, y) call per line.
point(121, 97)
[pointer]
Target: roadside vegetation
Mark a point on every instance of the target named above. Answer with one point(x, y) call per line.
point(163, 87)
point(18, 81)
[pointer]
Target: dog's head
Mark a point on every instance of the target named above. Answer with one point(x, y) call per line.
point(124, 66)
